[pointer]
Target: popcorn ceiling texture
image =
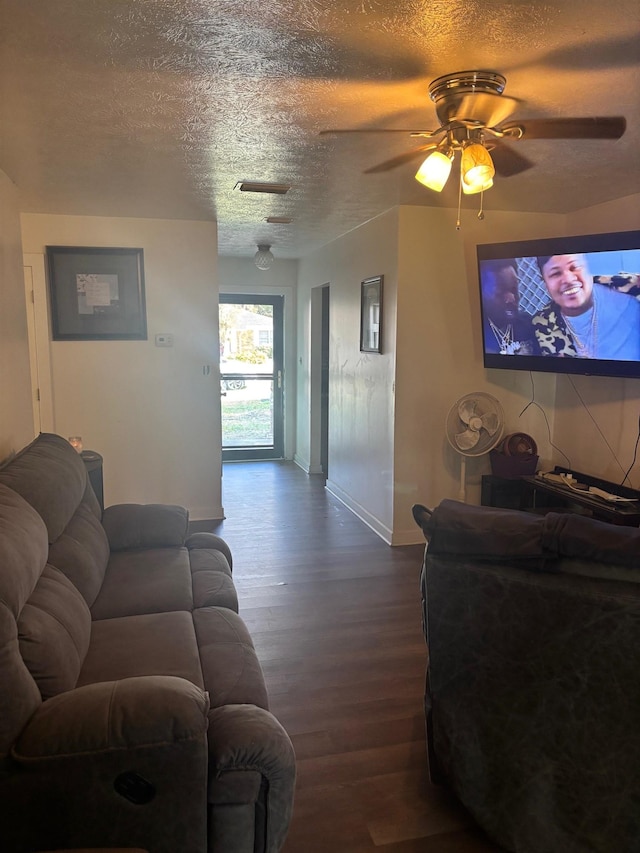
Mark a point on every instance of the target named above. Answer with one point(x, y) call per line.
point(157, 109)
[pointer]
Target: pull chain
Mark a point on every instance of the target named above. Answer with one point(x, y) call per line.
point(481, 211)
point(459, 201)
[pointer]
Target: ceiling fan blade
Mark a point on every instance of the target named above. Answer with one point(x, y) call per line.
point(400, 159)
point(593, 127)
point(508, 161)
point(413, 131)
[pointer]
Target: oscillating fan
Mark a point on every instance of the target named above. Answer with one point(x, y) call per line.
point(474, 427)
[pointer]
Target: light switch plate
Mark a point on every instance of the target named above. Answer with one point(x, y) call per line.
point(164, 340)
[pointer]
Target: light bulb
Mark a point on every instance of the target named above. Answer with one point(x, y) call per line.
point(434, 171)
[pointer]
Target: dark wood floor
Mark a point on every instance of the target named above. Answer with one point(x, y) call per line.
point(335, 616)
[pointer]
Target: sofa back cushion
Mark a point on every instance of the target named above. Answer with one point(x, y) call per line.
point(23, 555)
point(53, 632)
point(82, 552)
point(51, 476)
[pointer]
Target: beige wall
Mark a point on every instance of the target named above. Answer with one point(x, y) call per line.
point(361, 403)
point(439, 355)
point(598, 418)
point(387, 446)
point(153, 413)
point(16, 412)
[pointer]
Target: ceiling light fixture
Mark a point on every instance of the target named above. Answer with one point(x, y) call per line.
point(476, 166)
point(263, 258)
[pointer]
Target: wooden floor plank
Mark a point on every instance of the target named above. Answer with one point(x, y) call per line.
point(334, 613)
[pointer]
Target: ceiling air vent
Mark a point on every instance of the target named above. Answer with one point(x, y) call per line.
point(262, 187)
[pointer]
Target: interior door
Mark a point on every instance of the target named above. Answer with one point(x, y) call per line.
point(251, 376)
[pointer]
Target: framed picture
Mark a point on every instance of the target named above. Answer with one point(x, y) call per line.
point(371, 314)
point(96, 294)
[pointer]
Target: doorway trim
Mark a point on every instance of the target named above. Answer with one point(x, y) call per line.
point(289, 348)
point(275, 450)
point(35, 283)
point(318, 416)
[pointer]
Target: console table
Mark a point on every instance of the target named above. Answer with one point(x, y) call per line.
point(536, 494)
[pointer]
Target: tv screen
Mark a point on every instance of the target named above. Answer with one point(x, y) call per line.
point(562, 304)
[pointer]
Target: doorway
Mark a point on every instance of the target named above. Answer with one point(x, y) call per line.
point(252, 376)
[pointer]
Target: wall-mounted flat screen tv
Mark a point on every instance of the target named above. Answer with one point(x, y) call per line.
point(562, 304)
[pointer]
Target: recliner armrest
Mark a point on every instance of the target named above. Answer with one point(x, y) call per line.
point(113, 715)
point(111, 764)
point(131, 526)
point(252, 775)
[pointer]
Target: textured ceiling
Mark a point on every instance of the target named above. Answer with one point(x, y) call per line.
point(157, 108)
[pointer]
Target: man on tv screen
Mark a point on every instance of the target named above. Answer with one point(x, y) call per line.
point(584, 319)
point(508, 330)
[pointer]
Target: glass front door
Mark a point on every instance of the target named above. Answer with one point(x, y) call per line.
point(251, 376)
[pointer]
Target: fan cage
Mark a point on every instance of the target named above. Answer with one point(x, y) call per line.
point(486, 403)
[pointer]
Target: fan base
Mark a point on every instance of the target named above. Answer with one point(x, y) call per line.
point(465, 82)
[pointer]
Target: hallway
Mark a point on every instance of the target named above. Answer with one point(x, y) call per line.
point(335, 616)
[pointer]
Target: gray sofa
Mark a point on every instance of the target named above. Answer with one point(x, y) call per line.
point(133, 710)
point(533, 681)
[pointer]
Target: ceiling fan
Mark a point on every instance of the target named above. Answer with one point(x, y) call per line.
point(473, 114)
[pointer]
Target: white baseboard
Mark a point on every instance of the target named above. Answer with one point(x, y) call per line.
point(408, 537)
point(206, 513)
point(301, 463)
point(364, 515)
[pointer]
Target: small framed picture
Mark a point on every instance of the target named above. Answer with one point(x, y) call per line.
point(371, 314)
point(96, 294)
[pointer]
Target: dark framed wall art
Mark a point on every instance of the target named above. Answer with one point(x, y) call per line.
point(96, 294)
point(371, 314)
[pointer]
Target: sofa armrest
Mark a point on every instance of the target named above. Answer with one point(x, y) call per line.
point(209, 542)
point(130, 526)
point(111, 715)
point(112, 764)
point(252, 775)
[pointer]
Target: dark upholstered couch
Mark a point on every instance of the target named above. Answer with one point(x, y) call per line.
point(133, 711)
point(533, 690)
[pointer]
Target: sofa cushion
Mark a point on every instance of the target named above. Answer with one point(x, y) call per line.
point(149, 644)
point(211, 579)
point(130, 526)
point(210, 542)
point(53, 632)
point(23, 549)
point(151, 581)
point(23, 555)
point(81, 553)
point(230, 666)
point(586, 539)
point(51, 476)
